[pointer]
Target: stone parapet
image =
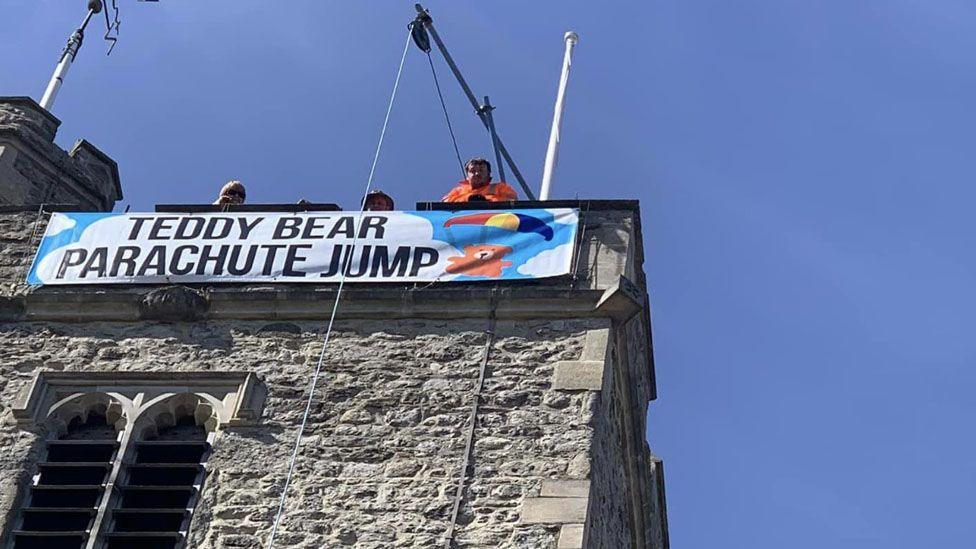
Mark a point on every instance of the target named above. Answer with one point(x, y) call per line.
point(35, 171)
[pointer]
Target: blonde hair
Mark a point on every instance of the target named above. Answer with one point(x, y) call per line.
point(233, 184)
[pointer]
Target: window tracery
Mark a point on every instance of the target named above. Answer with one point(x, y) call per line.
point(123, 461)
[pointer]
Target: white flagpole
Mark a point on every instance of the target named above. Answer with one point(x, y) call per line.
point(557, 118)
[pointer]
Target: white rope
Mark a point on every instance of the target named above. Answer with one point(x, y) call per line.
point(335, 306)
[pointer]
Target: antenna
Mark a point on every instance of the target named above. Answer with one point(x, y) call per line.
point(112, 26)
point(70, 51)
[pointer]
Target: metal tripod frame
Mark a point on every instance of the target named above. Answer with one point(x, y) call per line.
point(425, 23)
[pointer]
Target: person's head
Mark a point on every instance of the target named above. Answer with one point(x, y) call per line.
point(478, 172)
point(232, 193)
point(377, 201)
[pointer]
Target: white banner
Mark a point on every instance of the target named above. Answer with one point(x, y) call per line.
point(107, 248)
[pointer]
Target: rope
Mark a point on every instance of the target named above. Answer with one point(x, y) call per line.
point(335, 307)
point(469, 439)
point(37, 223)
point(446, 116)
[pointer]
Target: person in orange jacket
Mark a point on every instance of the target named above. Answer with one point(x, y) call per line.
point(478, 185)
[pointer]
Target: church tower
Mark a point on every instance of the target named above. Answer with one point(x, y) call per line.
point(465, 413)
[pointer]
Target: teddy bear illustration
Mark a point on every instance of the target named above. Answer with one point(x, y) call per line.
point(480, 260)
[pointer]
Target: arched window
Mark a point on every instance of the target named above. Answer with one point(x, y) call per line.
point(123, 465)
point(162, 476)
point(70, 481)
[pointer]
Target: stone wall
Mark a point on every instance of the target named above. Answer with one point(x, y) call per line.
point(381, 456)
point(16, 251)
point(559, 457)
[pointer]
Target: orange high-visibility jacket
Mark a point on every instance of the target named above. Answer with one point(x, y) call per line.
point(493, 192)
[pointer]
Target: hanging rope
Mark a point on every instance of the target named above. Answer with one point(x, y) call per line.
point(335, 306)
point(37, 223)
point(447, 117)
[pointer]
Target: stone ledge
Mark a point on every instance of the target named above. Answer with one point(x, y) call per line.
point(288, 302)
point(578, 375)
point(623, 299)
point(565, 489)
point(570, 537)
point(554, 510)
point(12, 308)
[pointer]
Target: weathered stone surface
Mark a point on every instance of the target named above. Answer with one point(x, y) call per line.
point(565, 488)
point(34, 171)
point(554, 510)
point(570, 537)
point(383, 447)
point(11, 308)
point(173, 303)
point(576, 375)
point(597, 345)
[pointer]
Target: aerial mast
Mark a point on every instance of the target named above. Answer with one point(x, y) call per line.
point(68, 56)
point(74, 45)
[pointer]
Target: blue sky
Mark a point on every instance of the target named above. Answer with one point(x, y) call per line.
point(805, 175)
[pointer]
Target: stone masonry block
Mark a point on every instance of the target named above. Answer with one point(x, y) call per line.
point(577, 375)
point(595, 345)
point(570, 537)
point(565, 489)
point(554, 510)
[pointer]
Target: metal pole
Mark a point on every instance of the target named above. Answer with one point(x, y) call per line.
point(472, 421)
point(429, 25)
point(68, 57)
point(494, 138)
point(552, 152)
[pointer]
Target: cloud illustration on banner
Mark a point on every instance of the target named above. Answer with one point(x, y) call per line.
point(59, 224)
point(546, 261)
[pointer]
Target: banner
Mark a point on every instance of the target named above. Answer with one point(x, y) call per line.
point(108, 248)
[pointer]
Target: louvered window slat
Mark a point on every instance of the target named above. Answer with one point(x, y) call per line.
point(70, 483)
point(161, 484)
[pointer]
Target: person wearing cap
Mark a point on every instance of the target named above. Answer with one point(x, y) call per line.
point(478, 185)
point(231, 193)
point(378, 201)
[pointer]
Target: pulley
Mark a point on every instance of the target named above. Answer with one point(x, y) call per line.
point(417, 30)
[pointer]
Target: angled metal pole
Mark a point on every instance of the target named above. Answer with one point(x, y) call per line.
point(494, 138)
point(68, 57)
point(552, 153)
point(424, 18)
